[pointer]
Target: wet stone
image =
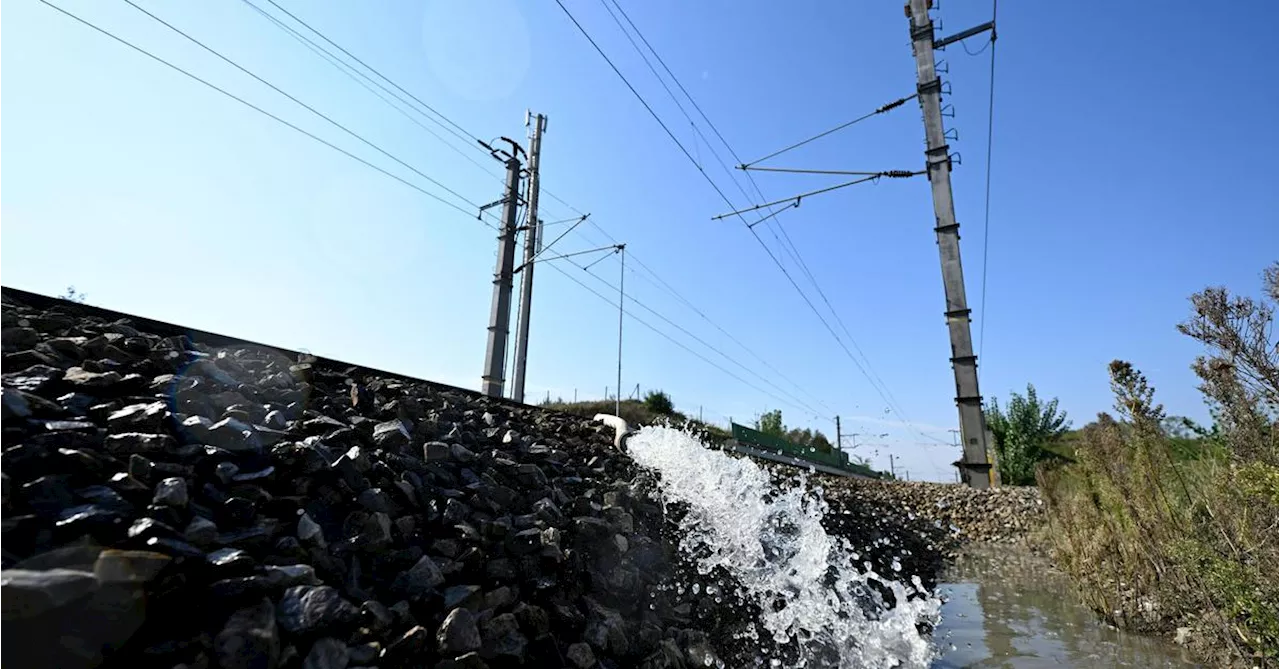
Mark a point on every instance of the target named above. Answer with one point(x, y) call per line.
point(118, 566)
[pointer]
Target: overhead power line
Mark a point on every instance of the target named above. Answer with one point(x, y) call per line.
point(465, 135)
point(785, 241)
point(673, 340)
point(369, 84)
point(897, 174)
point(254, 107)
point(720, 192)
point(462, 133)
point(656, 279)
point(304, 105)
point(986, 204)
point(798, 403)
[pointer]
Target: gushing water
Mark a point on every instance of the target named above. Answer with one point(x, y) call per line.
point(809, 586)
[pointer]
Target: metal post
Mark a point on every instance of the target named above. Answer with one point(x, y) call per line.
point(938, 164)
point(500, 314)
point(839, 438)
point(892, 473)
point(622, 275)
point(531, 241)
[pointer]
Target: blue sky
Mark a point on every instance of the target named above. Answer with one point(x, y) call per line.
point(1132, 166)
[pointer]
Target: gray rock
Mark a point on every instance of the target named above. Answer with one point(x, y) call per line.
point(26, 594)
point(236, 436)
point(391, 435)
point(502, 636)
point(226, 472)
point(249, 639)
point(461, 453)
point(458, 633)
point(171, 492)
point(460, 595)
point(289, 575)
point(81, 379)
point(366, 652)
point(327, 653)
point(117, 566)
point(306, 609)
point(421, 577)
point(409, 646)
point(144, 417)
point(435, 451)
point(581, 656)
point(200, 531)
point(499, 598)
point(138, 443)
point(15, 404)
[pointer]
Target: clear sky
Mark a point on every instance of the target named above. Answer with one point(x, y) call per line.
point(1132, 166)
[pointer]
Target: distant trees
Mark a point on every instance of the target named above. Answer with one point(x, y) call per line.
point(72, 295)
point(659, 402)
point(771, 423)
point(1023, 431)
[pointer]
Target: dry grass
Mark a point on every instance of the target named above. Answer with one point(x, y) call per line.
point(1158, 538)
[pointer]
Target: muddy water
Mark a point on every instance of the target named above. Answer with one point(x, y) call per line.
point(1008, 608)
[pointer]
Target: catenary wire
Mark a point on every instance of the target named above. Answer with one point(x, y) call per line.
point(798, 403)
point(789, 245)
point(664, 335)
point(306, 106)
point(720, 192)
point(368, 83)
point(333, 60)
point(986, 205)
point(256, 108)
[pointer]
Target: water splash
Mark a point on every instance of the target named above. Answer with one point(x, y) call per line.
point(808, 585)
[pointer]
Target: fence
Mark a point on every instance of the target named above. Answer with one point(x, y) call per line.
point(838, 459)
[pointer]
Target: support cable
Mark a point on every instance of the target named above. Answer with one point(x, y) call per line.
point(879, 110)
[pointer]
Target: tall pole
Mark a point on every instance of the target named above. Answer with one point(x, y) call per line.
point(839, 438)
point(622, 275)
point(531, 235)
point(892, 473)
point(500, 314)
point(964, 363)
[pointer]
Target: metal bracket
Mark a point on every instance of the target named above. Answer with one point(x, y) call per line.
point(957, 313)
point(964, 358)
point(942, 67)
point(974, 399)
point(951, 134)
point(945, 88)
point(921, 32)
point(927, 87)
point(949, 106)
point(480, 214)
point(946, 228)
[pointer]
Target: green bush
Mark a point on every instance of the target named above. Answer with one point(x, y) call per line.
point(659, 402)
point(1024, 432)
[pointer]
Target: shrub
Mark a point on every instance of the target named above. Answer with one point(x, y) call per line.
point(659, 402)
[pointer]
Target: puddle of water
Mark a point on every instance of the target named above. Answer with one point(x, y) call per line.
point(1007, 608)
